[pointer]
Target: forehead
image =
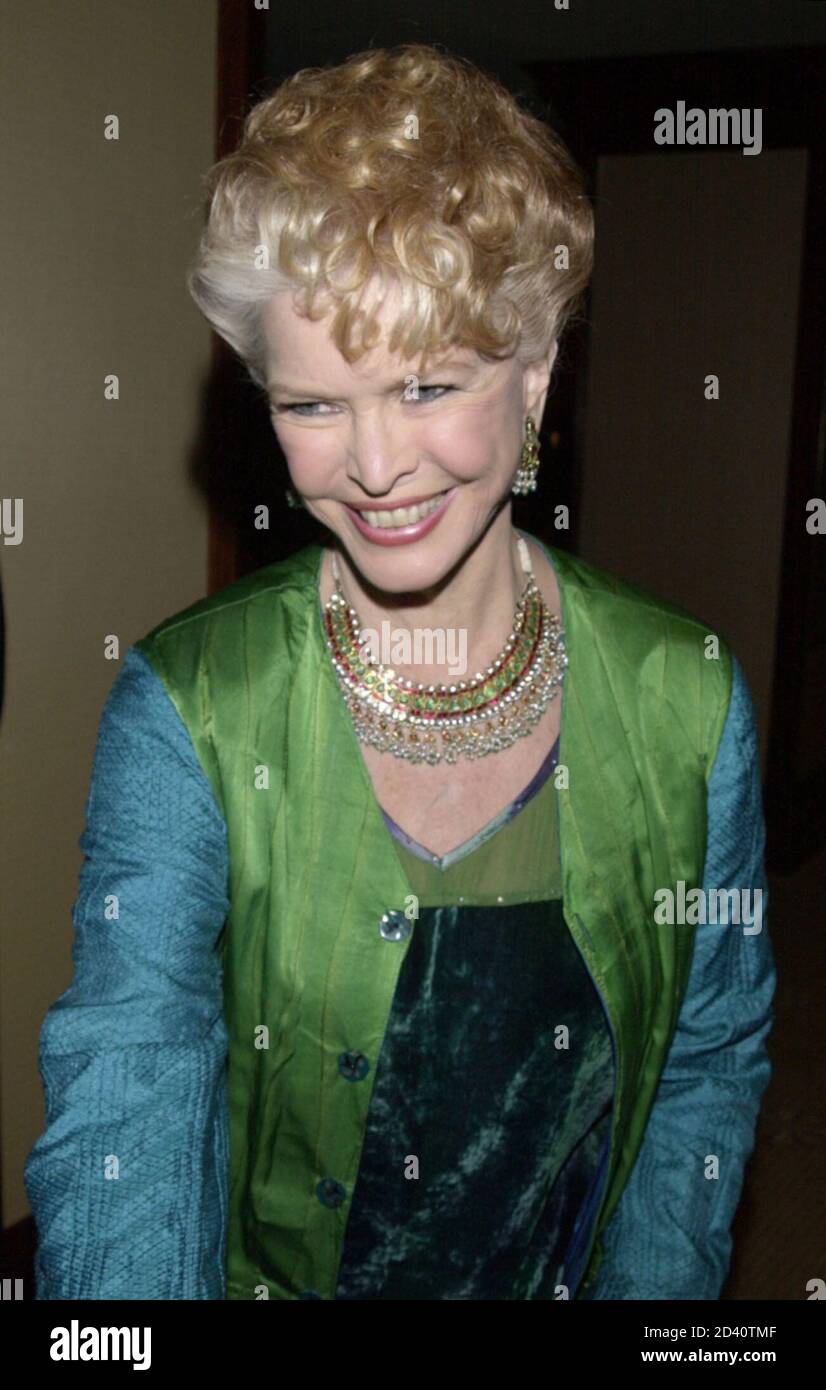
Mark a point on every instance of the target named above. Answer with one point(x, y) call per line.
point(296, 344)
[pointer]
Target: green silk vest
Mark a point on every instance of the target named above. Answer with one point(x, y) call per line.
point(321, 916)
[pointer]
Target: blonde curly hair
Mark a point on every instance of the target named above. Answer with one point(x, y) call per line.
point(403, 165)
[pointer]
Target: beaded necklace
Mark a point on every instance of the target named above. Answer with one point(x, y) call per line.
point(441, 723)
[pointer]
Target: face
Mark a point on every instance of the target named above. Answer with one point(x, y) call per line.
point(363, 443)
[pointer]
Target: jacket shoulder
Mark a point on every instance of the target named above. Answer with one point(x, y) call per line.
point(622, 597)
point(293, 576)
point(653, 652)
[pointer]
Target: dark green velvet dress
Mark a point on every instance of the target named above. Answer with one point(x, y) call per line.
point(493, 1090)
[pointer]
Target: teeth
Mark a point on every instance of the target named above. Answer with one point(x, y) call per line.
point(402, 516)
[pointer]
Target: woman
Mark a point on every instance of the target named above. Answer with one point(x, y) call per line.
point(377, 994)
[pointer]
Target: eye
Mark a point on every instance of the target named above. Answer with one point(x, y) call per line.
point(298, 408)
point(308, 410)
point(424, 389)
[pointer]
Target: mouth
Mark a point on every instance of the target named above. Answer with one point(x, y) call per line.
point(392, 518)
point(393, 526)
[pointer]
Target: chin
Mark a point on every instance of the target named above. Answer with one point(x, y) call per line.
point(398, 567)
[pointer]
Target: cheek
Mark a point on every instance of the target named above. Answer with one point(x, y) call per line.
point(482, 439)
point(311, 458)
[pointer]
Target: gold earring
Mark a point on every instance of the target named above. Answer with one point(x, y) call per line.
point(525, 480)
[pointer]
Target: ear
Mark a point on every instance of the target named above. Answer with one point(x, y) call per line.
point(536, 379)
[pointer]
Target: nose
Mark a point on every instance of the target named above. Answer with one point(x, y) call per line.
point(377, 457)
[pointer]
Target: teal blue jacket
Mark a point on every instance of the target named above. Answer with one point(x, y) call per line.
point(133, 1055)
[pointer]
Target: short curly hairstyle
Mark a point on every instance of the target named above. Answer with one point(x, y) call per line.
point(404, 165)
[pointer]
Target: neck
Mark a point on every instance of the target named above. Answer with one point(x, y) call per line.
point(473, 607)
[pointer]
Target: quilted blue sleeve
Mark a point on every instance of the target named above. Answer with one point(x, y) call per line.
point(669, 1236)
point(128, 1182)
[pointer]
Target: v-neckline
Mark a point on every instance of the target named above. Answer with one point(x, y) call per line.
point(481, 837)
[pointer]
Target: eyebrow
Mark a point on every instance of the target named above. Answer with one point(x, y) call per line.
point(311, 392)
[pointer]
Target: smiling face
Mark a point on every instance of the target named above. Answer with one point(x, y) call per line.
point(363, 441)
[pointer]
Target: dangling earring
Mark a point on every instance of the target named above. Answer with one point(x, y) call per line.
point(525, 480)
point(293, 500)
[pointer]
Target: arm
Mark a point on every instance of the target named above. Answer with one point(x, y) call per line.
point(132, 1056)
point(669, 1236)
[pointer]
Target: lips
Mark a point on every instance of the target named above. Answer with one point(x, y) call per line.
point(400, 526)
point(392, 506)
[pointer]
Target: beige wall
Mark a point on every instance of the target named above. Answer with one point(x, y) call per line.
point(94, 241)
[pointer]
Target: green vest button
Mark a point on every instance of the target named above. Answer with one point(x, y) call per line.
point(330, 1192)
point(353, 1065)
point(394, 926)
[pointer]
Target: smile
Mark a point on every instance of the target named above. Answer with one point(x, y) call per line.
point(393, 526)
point(402, 516)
